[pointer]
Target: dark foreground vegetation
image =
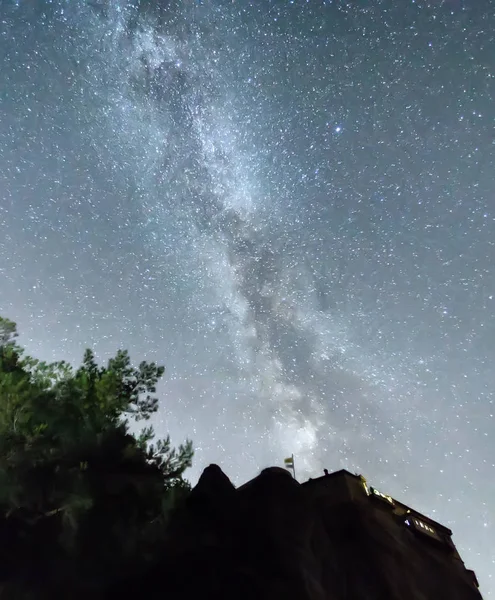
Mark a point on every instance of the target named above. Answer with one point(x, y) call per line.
point(84, 503)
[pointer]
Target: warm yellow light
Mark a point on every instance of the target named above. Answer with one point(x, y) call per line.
point(389, 499)
point(365, 485)
point(424, 526)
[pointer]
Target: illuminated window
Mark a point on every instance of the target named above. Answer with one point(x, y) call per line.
point(422, 527)
point(365, 485)
point(381, 496)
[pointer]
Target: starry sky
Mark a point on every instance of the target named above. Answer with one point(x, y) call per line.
point(290, 204)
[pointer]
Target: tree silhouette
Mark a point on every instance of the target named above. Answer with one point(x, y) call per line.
point(82, 500)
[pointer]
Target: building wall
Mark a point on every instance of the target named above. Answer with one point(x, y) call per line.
point(372, 553)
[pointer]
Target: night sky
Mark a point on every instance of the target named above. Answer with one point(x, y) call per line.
point(290, 204)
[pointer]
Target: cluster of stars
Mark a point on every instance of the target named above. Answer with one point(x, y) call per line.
point(290, 204)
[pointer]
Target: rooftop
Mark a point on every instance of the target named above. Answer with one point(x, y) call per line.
point(407, 509)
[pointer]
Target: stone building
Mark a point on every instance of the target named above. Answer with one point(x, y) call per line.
point(382, 548)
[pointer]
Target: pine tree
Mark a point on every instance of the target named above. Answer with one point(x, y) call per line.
point(81, 498)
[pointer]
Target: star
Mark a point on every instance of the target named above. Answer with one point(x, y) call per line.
point(290, 205)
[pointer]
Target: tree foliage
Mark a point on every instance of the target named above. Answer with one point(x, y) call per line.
point(81, 498)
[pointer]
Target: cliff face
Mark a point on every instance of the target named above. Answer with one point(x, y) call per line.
point(246, 543)
point(276, 539)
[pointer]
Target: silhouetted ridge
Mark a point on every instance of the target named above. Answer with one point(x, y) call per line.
point(213, 484)
point(331, 538)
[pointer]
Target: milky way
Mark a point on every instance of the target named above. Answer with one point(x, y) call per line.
point(289, 204)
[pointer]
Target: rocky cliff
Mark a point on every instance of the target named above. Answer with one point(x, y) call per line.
point(274, 538)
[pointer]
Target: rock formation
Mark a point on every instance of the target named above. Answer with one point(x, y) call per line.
point(328, 539)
